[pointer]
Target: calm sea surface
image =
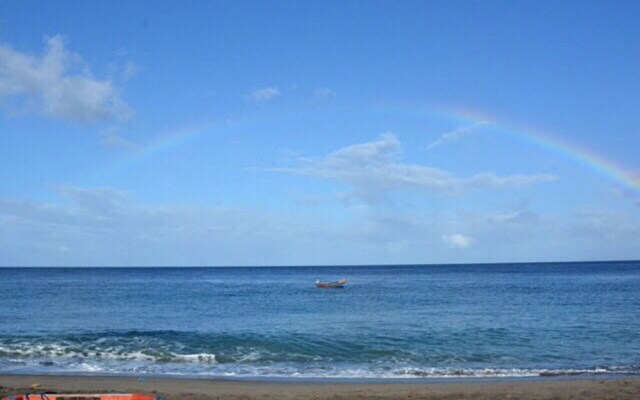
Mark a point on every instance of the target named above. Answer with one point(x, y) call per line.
point(399, 322)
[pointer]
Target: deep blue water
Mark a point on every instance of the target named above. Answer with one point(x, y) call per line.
point(389, 322)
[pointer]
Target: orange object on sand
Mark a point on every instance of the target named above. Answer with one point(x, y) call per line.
point(83, 396)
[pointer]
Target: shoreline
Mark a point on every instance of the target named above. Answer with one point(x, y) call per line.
point(444, 380)
point(172, 388)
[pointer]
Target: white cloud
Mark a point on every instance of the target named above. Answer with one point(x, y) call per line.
point(457, 241)
point(104, 226)
point(118, 141)
point(626, 194)
point(323, 94)
point(111, 138)
point(130, 69)
point(609, 225)
point(265, 94)
point(100, 200)
point(520, 217)
point(455, 134)
point(58, 84)
point(373, 168)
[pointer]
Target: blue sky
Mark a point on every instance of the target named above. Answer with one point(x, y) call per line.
point(312, 133)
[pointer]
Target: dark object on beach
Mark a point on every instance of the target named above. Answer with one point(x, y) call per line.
point(74, 396)
point(331, 285)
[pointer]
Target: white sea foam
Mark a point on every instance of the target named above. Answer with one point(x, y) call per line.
point(143, 356)
point(87, 367)
point(62, 351)
point(404, 374)
point(204, 358)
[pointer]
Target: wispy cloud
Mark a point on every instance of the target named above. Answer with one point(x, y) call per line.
point(105, 226)
point(113, 140)
point(111, 137)
point(265, 94)
point(58, 84)
point(626, 194)
point(374, 168)
point(130, 70)
point(455, 134)
point(323, 94)
point(520, 218)
point(457, 241)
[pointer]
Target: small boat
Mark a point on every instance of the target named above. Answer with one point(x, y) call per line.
point(76, 396)
point(331, 285)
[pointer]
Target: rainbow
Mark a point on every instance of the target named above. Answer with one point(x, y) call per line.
point(583, 156)
point(589, 159)
point(165, 142)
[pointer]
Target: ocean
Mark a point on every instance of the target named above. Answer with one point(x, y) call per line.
point(389, 322)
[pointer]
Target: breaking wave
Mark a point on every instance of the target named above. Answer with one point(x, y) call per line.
point(253, 355)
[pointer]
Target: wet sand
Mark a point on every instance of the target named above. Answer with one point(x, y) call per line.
point(205, 389)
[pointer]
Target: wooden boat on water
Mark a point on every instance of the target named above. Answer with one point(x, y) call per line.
point(77, 396)
point(331, 285)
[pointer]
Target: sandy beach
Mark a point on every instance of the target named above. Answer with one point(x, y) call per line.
point(201, 389)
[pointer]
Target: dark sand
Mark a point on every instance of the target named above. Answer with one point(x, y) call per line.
point(203, 389)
